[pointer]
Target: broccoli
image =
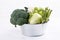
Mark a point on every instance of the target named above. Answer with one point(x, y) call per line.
point(21, 21)
point(13, 21)
point(19, 16)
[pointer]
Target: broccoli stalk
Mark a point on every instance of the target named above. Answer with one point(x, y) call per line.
point(15, 25)
point(26, 9)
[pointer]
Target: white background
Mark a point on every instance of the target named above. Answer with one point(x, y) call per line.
point(9, 32)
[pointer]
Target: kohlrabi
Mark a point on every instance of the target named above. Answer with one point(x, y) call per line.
point(35, 19)
point(39, 15)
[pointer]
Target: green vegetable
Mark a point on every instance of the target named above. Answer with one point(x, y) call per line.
point(36, 16)
point(47, 14)
point(13, 21)
point(35, 19)
point(21, 21)
point(19, 16)
point(44, 13)
point(35, 10)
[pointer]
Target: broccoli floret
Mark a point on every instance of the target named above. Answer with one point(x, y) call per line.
point(13, 21)
point(21, 21)
point(19, 13)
